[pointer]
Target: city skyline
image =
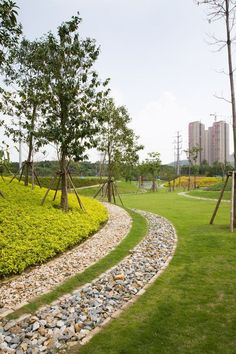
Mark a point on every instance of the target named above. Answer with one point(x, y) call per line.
point(160, 65)
point(213, 142)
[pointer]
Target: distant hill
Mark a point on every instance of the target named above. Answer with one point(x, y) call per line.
point(181, 163)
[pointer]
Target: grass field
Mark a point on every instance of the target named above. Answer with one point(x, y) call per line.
point(210, 194)
point(191, 308)
point(123, 188)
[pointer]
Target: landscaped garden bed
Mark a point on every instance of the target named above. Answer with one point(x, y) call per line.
point(31, 233)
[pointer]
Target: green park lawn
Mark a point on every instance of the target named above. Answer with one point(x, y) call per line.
point(122, 186)
point(191, 307)
point(210, 194)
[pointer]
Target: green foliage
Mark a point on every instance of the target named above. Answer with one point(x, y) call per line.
point(219, 186)
point(117, 141)
point(72, 90)
point(31, 234)
point(78, 182)
point(135, 235)
point(9, 28)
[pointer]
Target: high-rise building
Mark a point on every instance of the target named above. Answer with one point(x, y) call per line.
point(220, 142)
point(196, 134)
point(214, 142)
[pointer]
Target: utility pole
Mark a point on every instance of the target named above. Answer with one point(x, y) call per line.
point(178, 148)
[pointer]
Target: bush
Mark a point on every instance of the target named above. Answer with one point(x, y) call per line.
point(78, 182)
point(31, 234)
point(201, 181)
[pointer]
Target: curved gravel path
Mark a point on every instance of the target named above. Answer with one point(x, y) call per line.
point(41, 279)
point(76, 317)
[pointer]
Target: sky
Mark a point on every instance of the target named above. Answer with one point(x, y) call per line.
point(158, 57)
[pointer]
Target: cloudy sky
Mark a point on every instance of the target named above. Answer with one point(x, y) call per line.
point(158, 57)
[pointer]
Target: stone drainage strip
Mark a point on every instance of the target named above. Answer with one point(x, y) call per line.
point(16, 292)
point(76, 317)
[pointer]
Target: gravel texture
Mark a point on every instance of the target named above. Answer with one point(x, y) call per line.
point(43, 278)
point(75, 317)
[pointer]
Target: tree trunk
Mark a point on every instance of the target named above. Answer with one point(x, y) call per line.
point(109, 180)
point(64, 191)
point(231, 79)
point(31, 136)
point(189, 179)
point(154, 184)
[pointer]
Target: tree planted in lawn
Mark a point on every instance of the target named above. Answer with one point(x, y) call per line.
point(73, 94)
point(152, 165)
point(117, 141)
point(24, 103)
point(225, 10)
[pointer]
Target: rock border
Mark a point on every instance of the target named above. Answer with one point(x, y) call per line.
point(76, 317)
point(16, 292)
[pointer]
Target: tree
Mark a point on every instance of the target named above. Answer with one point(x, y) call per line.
point(192, 156)
point(73, 94)
point(226, 10)
point(168, 173)
point(117, 141)
point(9, 28)
point(25, 102)
point(152, 165)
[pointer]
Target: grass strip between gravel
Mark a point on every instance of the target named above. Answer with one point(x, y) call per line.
point(190, 309)
point(135, 235)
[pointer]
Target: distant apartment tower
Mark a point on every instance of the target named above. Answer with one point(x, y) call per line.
point(214, 142)
point(196, 135)
point(218, 142)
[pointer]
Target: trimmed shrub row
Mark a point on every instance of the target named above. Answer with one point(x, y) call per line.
point(31, 234)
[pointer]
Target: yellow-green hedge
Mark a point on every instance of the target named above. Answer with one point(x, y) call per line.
point(31, 234)
point(201, 181)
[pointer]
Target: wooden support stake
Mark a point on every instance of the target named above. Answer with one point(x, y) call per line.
point(113, 192)
point(118, 194)
point(105, 194)
point(232, 203)
point(1, 194)
point(99, 190)
point(219, 200)
point(76, 193)
point(22, 170)
point(57, 187)
point(48, 190)
point(36, 177)
point(14, 176)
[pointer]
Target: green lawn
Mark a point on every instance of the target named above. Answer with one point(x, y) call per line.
point(210, 194)
point(191, 308)
point(123, 188)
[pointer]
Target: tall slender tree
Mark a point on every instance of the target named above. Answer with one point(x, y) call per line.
point(225, 10)
point(152, 165)
point(73, 94)
point(117, 141)
point(24, 102)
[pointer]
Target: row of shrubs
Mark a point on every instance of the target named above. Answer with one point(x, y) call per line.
point(78, 182)
point(31, 234)
point(201, 181)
